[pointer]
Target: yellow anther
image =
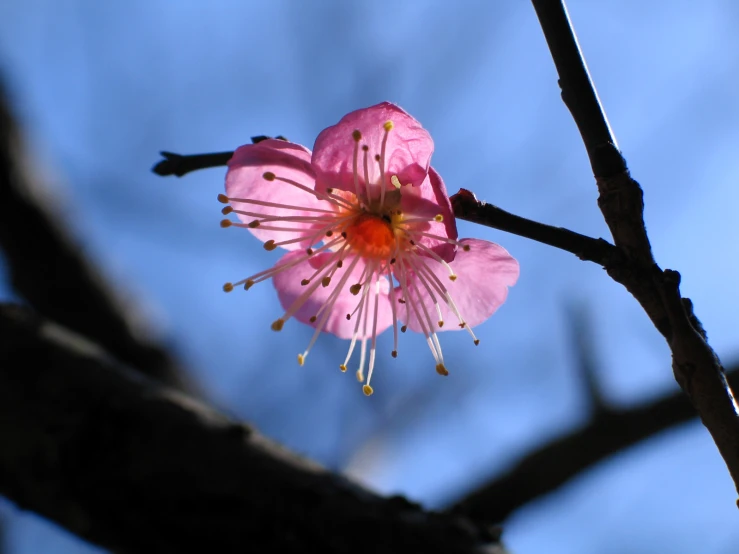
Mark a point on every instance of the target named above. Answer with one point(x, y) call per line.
point(441, 370)
point(395, 181)
point(404, 328)
point(269, 176)
point(225, 223)
point(228, 287)
point(356, 135)
point(394, 353)
point(269, 245)
point(325, 281)
point(466, 247)
point(355, 288)
point(227, 210)
point(342, 367)
point(388, 125)
point(360, 375)
point(277, 324)
point(301, 359)
point(438, 218)
point(249, 284)
point(367, 390)
point(223, 199)
point(452, 277)
point(477, 341)
point(305, 282)
point(254, 224)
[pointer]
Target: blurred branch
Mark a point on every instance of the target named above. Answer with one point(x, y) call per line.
point(48, 268)
point(696, 366)
point(553, 464)
point(136, 467)
point(179, 165)
point(586, 363)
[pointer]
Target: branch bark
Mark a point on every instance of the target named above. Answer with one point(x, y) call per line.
point(48, 268)
point(136, 467)
point(696, 366)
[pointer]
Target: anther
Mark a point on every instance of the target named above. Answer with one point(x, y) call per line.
point(312, 319)
point(439, 218)
point(225, 223)
point(269, 176)
point(394, 353)
point(269, 245)
point(277, 324)
point(392, 261)
point(249, 284)
point(301, 359)
point(395, 181)
point(441, 323)
point(325, 281)
point(342, 367)
point(309, 251)
point(367, 390)
point(388, 125)
point(340, 264)
point(329, 233)
point(356, 135)
point(355, 288)
point(466, 247)
point(305, 282)
point(359, 375)
point(404, 328)
point(227, 210)
point(223, 199)
point(348, 317)
point(477, 341)
point(365, 148)
point(343, 234)
point(452, 277)
point(228, 287)
point(329, 190)
point(441, 370)
point(254, 224)
point(377, 157)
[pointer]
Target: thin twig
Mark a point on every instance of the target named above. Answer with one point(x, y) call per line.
point(137, 467)
point(696, 367)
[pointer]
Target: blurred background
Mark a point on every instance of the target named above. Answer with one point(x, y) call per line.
point(100, 88)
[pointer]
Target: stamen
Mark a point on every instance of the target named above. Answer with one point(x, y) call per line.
point(395, 315)
point(395, 181)
point(383, 184)
point(435, 256)
point(355, 162)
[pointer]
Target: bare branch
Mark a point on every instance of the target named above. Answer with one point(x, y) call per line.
point(136, 467)
point(697, 368)
point(48, 268)
point(553, 464)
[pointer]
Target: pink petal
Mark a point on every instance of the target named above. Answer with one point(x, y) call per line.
point(408, 151)
point(245, 179)
point(483, 277)
point(289, 290)
point(428, 200)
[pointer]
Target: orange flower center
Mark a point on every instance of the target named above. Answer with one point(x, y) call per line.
point(371, 236)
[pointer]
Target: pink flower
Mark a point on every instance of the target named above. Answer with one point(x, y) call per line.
point(370, 235)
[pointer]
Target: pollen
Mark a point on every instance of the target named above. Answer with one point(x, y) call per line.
point(301, 359)
point(441, 370)
point(371, 236)
point(342, 367)
point(367, 390)
point(388, 125)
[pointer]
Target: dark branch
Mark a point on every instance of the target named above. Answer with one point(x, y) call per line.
point(135, 467)
point(553, 464)
point(178, 165)
point(696, 366)
point(47, 266)
point(468, 207)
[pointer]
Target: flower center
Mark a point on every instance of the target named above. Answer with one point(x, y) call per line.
point(371, 236)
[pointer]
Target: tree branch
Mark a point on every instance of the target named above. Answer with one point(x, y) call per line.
point(48, 268)
point(553, 464)
point(697, 368)
point(135, 467)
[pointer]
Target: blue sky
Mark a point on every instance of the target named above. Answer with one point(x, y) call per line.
point(101, 87)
